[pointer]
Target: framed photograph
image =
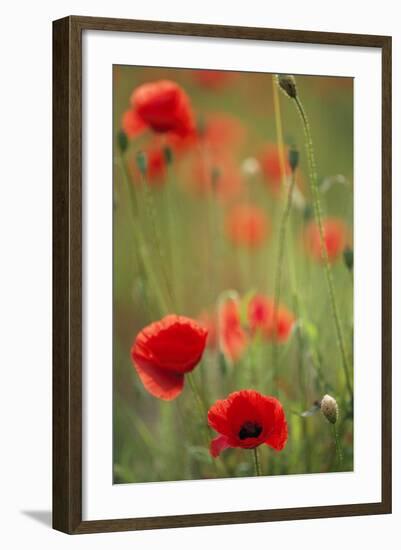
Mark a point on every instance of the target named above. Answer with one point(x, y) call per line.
point(222, 275)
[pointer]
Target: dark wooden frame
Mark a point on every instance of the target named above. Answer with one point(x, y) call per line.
point(67, 275)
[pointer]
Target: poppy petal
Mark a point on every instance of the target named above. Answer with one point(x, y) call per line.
point(218, 444)
point(160, 383)
point(278, 437)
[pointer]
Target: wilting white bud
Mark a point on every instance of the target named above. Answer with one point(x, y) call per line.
point(329, 408)
point(250, 166)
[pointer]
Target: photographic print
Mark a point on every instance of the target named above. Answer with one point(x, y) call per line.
point(232, 274)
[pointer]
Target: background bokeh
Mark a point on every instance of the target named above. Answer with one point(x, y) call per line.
point(156, 440)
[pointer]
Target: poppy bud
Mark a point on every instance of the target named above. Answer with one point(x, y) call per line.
point(288, 85)
point(348, 256)
point(122, 141)
point(293, 158)
point(141, 162)
point(329, 408)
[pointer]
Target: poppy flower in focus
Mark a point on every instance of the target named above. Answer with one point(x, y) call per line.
point(269, 160)
point(164, 107)
point(335, 239)
point(247, 225)
point(232, 337)
point(261, 319)
point(247, 419)
point(164, 351)
point(213, 80)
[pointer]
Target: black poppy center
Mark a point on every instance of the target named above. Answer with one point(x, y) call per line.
point(250, 429)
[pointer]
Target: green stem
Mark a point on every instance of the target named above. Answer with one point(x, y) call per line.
point(318, 214)
point(338, 446)
point(203, 414)
point(256, 461)
point(157, 240)
point(302, 385)
point(140, 247)
point(279, 269)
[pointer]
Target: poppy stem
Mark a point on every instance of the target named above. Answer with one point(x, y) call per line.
point(279, 129)
point(154, 224)
point(140, 249)
point(256, 461)
point(279, 269)
point(338, 445)
point(318, 214)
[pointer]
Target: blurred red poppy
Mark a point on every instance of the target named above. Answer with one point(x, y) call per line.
point(285, 323)
point(247, 225)
point(223, 131)
point(164, 107)
point(213, 80)
point(269, 160)
point(232, 337)
point(164, 351)
point(247, 419)
point(260, 314)
point(261, 319)
point(132, 125)
point(335, 239)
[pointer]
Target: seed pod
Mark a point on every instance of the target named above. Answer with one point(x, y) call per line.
point(293, 158)
point(329, 408)
point(348, 256)
point(288, 84)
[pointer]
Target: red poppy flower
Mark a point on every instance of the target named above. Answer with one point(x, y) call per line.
point(164, 351)
point(223, 131)
point(285, 323)
point(269, 160)
point(247, 225)
point(335, 239)
point(213, 80)
point(232, 337)
point(132, 125)
point(260, 314)
point(261, 318)
point(247, 419)
point(163, 106)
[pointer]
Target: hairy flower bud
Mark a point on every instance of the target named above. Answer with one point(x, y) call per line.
point(329, 408)
point(288, 85)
